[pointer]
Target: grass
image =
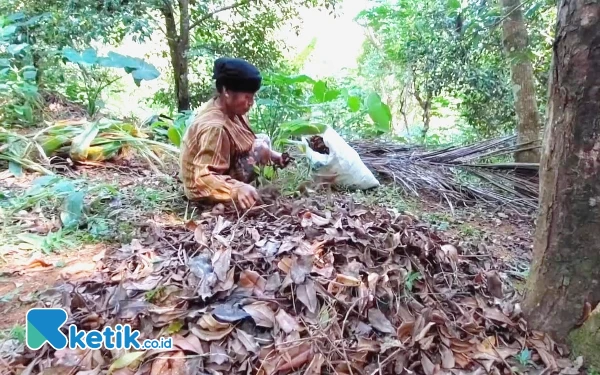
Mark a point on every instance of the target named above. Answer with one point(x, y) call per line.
point(469, 231)
point(17, 332)
point(58, 214)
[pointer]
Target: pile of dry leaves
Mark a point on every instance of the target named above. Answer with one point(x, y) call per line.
point(306, 286)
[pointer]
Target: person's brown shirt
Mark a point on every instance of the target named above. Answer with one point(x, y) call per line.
point(209, 149)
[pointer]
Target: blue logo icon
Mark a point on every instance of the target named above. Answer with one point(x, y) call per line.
point(43, 325)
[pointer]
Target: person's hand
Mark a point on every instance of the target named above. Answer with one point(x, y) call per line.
point(280, 160)
point(246, 195)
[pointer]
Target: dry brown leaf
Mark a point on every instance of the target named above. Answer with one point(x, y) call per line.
point(226, 285)
point(299, 271)
point(319, 220)
point(547, 358)
point(254, 281)
point(189, 343)
point(261, 313)
point(347, 280)
point(497, 315)
point(314, 368)
point(487, 346)
point(462, 360)
point(285, 265)
point(218, 354)
point(379, 321)
point(286, 322)
point(237, 349)
point(366, 345)
point(208, 322)
point(220, 262)
point(451, 254)
point(294, 358)
point(200, 235)
point(424, 331)
point(405, 331)
point(307, 295)
point(400, 363)
point(38, 263)
point(248, 341)
point(428, 367)
point(175, 364)
point(209, 335)
point(447, 357)
point(494, 284)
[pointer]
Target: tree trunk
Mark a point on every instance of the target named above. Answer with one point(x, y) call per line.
point(183, 93)
point(179, 44)
point(425, 105)
point(565, 274)
point(515, 45)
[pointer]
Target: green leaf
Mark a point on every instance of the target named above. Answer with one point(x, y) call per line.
point(116, 60)
point(299, 79)
point(453, 5)
point(15, 169)
point(16, 16)
point(52, 144)
point(32, 239)
point(319, 89)
point(64, 187)
point(73, 210)
point(174, 136)
point(331, 95)
point(81, 143)
point(531, 11)
point(354, 103)
point(125, 361)
point(71, 55)
point(373, 100)
point(30, 74)
point(301, 127)
point(146, 72)
point(379, 112)
point(8, 31)
point(43, 181)
point(4, 63)
point(15, 49)
point(89, 56)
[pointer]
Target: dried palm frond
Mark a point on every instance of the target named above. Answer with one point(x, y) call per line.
point(460, 175)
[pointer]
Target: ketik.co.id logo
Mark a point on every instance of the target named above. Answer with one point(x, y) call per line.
point(43, 325)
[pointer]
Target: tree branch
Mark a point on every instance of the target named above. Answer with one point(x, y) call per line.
point(211, 14)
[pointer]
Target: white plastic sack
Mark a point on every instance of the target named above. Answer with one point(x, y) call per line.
point(343, 162)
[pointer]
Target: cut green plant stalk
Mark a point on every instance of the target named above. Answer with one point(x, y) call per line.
point(91, 141)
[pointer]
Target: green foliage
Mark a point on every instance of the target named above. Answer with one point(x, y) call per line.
point(166, 129)
point(20, 101)
point(289, 104)
point(449, 56)
point(94, 73)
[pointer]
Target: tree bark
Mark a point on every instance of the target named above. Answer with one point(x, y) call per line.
point(183, 47)
point(179, 44)
point(565, 273)
point(425, 105)
point(515, 45)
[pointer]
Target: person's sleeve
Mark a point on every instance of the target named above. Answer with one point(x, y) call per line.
point(212, 162)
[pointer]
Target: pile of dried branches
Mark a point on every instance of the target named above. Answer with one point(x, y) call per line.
point(458, 174)
point(296, 286)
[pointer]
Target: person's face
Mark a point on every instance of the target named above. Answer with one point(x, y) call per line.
point(239, 102)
